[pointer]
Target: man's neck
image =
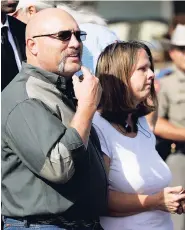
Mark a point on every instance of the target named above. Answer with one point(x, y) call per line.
point(3, 18)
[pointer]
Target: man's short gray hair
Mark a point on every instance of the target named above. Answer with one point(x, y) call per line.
point(38, 4)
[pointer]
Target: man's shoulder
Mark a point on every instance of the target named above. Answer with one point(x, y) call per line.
point(169, 84)
point(169, 79)
point(90, 26)
point(16, 26)
point(14, 92)
point(102, 32)
point(16, 22)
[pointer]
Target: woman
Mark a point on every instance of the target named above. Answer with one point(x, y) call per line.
point(138, 177)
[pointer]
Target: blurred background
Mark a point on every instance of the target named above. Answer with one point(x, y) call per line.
point(150, 21)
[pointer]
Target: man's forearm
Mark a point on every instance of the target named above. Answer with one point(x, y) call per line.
point(82, 121)
point(166, 130)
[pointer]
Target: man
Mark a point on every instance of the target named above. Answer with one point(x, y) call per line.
point(87, 20)
point(12, 43)
point(176, 19)
point(52, 170)
point(171, 121)
point(99, 35)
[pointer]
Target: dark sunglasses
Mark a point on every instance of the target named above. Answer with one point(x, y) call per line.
point(181, 48)
point(65, 35)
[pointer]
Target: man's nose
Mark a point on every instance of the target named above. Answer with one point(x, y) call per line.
point(74, 42)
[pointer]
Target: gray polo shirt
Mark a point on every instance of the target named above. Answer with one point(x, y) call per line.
point(46, 168)
point(172, 97)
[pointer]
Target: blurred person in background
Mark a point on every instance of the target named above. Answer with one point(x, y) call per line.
point(99, 35)
point(12, 43)
point(177, 19)
point(171, 122)
point(81, 13)
point(27, 8)
point(139, 196)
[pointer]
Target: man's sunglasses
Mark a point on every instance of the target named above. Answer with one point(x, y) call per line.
point(65, 35)
point(180, 48)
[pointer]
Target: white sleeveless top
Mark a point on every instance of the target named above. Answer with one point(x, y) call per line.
point(135, 167)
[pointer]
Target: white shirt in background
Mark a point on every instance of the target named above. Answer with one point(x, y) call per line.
point(11, 40)
point(98, 37)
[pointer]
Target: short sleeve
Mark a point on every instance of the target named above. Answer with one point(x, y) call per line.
point(42, 142)
point(102, 131)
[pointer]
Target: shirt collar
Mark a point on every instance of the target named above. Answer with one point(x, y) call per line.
point(59, 81)
point(180, 74)
point(6, 24)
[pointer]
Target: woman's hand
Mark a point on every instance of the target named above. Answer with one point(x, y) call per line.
point(181, 208)
point(170, 199)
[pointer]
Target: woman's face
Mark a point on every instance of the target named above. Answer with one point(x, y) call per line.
point(141, 79)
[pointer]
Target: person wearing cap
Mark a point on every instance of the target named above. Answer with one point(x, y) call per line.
point(171, 121)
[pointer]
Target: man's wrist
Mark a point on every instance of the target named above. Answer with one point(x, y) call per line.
point(86, 106)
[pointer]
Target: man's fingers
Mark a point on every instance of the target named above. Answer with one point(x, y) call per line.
point(86, 72)
point(75, 79)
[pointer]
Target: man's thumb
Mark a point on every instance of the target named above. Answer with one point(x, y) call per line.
point(75, 79)
point(86, 72)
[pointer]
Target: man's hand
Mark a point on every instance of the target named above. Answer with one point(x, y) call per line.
point(88, 92)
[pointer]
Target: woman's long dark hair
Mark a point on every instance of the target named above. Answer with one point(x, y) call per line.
point(114, 69)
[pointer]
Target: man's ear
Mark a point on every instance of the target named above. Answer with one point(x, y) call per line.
point(32, 46)
point(31, 10)
point(171, 53)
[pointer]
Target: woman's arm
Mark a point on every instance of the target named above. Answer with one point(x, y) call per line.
point(124, 204)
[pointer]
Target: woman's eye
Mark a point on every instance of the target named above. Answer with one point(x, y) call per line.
point(142, 68)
